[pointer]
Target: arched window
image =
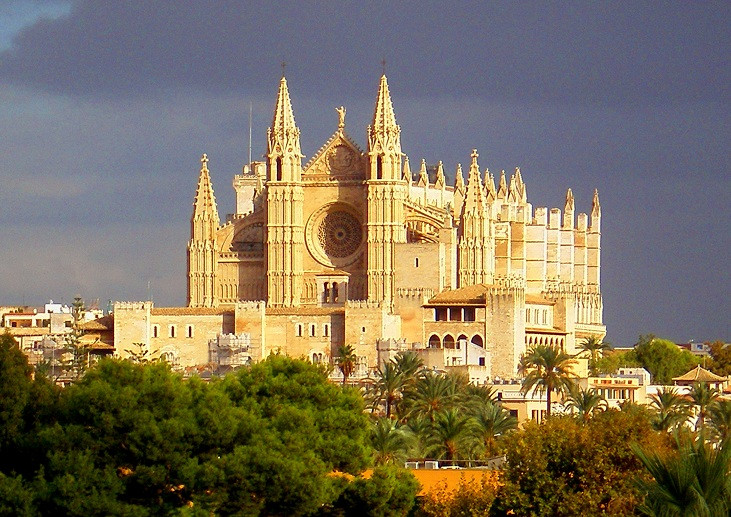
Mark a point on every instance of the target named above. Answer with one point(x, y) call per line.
point(315, 359)
point(155, 330)
point(448, 341)
point(379, 168)
point(461, 340)
point(434, 341)
point(313, 330)
point(477, 340)
point(326, 330)
point(172, 330)
point(335, 292)
point(326, 293)
point(279, 169)
point(299, 329)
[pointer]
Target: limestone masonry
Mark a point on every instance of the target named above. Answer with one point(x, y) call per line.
point(355, 248)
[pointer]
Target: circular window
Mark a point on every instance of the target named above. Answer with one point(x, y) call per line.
point(339, 234)
point(334, 235)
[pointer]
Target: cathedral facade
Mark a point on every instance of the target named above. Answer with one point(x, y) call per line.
point(356, 247)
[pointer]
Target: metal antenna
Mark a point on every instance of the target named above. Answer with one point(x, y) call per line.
point(250, 110)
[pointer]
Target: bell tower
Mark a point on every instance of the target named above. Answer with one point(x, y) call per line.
point(386, 195)
point(285, 198)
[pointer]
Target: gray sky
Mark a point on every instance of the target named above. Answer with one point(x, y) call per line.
point(106, 107)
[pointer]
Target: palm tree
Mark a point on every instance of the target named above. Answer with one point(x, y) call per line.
point(389, 442)
point(592, 346)
point(346, 361)
point(491, 421)
point(702, 397)
point(584, 402)
point(719, 416)
point(448, 435)
point(474, 396)
point(432, 393)
point(548, 369)
point(695, 481)
point(408, 363)
point(389, 385)
point(671, 408)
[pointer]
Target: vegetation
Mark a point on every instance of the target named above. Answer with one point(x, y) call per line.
point(593, 347)
point(663, 359)
point(547, 369)
point(134, 438)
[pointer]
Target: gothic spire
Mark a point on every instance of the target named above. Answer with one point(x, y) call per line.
point(407, 171)
point(459, 179)
point(384, 118)
point(440, 181)
point(596, 209)
point(474, 196)
point(569, 206)
point(490, 192)
point(521, 195)
point(205, 202)
point(502, 190)
point(283, 114)
point(423, 176)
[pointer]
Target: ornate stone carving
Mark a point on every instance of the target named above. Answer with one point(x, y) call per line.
point(341, 159)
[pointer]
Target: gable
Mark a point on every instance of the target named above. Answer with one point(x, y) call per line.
point(339, 159)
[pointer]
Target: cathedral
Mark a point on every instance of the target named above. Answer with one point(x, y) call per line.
point(363, 248)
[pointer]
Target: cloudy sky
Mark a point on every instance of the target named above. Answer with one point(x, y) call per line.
point(106, 107)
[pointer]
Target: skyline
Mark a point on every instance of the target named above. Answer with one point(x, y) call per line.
point(105, 112)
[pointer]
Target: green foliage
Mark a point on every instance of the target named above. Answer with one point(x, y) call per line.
point(565, 468)
point(663, 359)
point(694, 481)
point(671, 409)
point(584, 402)
point(612, 361)
point(388, 492)
point(389, 442)
point(490, 421)
point(346, 361)
point(720, 420)
point(130, 439)
point(449, 435)
point(702, 397)
point(721, 354)
point(15, 387)
point(547, 369)
point(593, 348)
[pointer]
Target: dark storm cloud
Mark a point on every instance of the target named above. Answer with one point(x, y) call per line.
point(572, 52)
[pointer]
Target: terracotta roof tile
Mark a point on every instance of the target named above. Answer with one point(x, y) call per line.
point(471, 294)
point(699, 374)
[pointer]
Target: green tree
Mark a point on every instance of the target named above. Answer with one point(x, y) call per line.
point(346, 361)
point(449, 437)
point(671, 409)
point(702, 397)
point(409, 364)
point(15, 393)
point(720, 420)
point(548, 369)
point(694, 481)
point(564, 468)
point(593, 347)
point(584, 402)
point(663, 359)
point(489, 422)
point(388, 492)
point(390, 382)
point(721, 355)
point(432, 393)
point(389, 441)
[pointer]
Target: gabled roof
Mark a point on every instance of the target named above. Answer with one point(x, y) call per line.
point(103, 323)
point(700, 374)
point(340, 137)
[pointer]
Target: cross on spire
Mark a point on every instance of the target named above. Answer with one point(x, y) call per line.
point(383, 66)
point(284, 66)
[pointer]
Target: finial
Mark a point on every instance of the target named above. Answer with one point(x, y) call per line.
point(341, 115)
point(284, 66)
point(474, 155)
point(383, 66)
point(204, 161)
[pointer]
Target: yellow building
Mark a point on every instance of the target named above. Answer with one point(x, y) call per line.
point(353, 247)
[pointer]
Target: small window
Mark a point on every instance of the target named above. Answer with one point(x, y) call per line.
point(189, 331)
point(155, 331)
point(416, 262)
point(440, 314)
point(312, 330)
point(481, 361)
point(545, 317)
point(469, 314)
point(299, 329)
point(172, 330)
point(326, 330)
point(362, 329)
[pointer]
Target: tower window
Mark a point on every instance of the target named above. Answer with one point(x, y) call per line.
point(379, 168)
point(279, 169)
point(335, 292)
point(326, 293)
point(326, 330)
point(155, 331)
point(416, 262)
point(299, 329)
point(362, 329)
point(312, 330)
point(469, 314)
point(172, 330)
point(189, 331)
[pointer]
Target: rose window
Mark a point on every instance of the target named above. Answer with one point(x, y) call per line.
point(339, 234)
